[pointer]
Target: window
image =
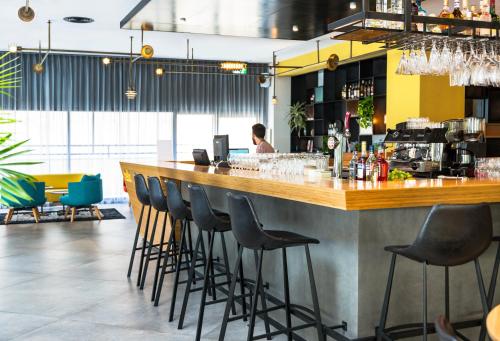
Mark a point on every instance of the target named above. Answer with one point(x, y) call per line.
point(239, 130)
point(194, 131)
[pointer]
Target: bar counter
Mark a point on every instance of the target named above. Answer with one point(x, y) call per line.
point(353, 220)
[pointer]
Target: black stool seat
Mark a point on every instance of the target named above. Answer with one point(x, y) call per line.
point(280, 239)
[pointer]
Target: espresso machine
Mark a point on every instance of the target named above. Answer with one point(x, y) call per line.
point(466, 142)
point(420, 152)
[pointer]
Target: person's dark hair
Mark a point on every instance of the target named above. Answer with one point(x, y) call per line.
point(259, 130)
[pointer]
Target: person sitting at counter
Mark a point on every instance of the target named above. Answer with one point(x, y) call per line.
point(258, 137)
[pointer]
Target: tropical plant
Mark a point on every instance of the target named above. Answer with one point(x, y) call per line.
point(297, 117)
point(365, 112)
point(10, 150)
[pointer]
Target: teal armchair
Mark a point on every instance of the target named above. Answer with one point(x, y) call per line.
point(84, 195)
point(36, 191)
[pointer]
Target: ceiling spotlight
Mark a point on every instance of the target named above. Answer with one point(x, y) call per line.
point(264, 80)
point(26, 13)
point(79, 20)
point(295, 28)
point(106, 60)
point(131, 93)
point(352, 5)
point(183, 19)
point(13, 48)
point(147, 52)
point(159, 71)
point(274, 100)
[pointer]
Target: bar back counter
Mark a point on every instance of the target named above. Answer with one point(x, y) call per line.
point(353, 220)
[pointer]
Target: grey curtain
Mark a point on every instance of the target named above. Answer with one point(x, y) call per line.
point(83, 83)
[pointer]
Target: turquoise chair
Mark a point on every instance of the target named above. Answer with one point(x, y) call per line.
point(84, 195)
point(35, 190)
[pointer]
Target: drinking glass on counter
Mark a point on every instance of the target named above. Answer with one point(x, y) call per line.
point(279, 164)
point(487, 168)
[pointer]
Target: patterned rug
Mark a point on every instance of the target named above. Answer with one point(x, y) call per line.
point(55, 215)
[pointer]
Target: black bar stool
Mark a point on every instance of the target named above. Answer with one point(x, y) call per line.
point(451, 235)
point(179, 211)
point(250, 235)
point(142, 192)
point(159, 203)
point(212, 223)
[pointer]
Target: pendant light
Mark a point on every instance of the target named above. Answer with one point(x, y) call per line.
point(38, 68)
point(26, 13)
point(274, 100)
point(131, 93)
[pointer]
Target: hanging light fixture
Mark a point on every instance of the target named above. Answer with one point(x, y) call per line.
point(131, 93)
point(106, 60)
point(233, 66)
point(38, 68)
point(147, 51)
point(13, 48)
point(26, 13)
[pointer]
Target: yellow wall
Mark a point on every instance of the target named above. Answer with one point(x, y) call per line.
point(407, 96)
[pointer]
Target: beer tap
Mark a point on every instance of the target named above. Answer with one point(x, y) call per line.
point(343, 141)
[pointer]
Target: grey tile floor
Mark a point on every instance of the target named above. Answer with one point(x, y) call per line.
point(63, 281)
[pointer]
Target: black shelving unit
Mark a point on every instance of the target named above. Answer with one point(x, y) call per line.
point(333, 107)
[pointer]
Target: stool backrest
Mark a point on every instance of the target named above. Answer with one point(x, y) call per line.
point(203, 215)
point(176, 204)
point(244, 222)
point(141, 189)
point(156, 195)
point(454, 234)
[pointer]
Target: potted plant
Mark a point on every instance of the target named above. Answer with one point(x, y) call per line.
point(297, 117)
point(365, 113)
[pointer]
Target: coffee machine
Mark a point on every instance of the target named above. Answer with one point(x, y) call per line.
point(466, 142)
point(420, 152)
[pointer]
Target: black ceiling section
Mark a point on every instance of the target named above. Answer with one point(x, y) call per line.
point(245, 18)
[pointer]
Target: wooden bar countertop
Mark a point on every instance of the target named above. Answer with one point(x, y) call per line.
point(340, 194)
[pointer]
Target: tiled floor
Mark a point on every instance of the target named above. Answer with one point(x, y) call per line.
point(62, 281)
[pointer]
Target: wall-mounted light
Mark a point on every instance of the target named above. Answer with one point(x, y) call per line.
point(159, 71)
point(13, 48)
point(274, 100)
point(106, 60)
point(295, 28)
point(233, 66)
point(352, 5)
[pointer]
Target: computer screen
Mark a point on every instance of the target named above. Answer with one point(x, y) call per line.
point(236, 151)
point(221, 147)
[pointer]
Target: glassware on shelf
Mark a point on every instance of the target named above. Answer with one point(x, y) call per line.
point(487, 168)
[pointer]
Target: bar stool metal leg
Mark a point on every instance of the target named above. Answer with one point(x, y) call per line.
point(230, 299)
point(242, 288)
point(150, 248)
point(177, 272)
point(387, 297)
point(491, 289)
point(447, 292)
point(314, 294)
point(212, 272)
point(160, 253)
point(143, 251)
point(136, 239)
point(191, 275)
point(482, 292)
point(257, 290)
point(287, 296)
point(424, 300)
point(262, 298)
point(206, 281)
point(226, 263)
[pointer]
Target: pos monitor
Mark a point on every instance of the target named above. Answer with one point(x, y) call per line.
point(221, 147)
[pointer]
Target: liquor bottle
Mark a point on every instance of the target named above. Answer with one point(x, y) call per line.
point(485, 16)
point(361, 165)
point(353, 166)
point(445, 13)
point(465, 10)
point(371, 163)
point(382, 165)
point(493, 13)
point(344, 92)
point(457, 13)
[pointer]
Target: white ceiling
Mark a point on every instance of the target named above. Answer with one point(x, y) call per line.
point(105, 33)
